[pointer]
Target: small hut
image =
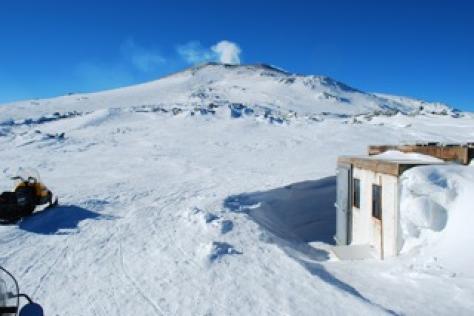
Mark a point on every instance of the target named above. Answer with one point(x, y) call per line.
point(368, 193)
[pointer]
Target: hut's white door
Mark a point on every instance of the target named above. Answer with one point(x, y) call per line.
point(343, 205)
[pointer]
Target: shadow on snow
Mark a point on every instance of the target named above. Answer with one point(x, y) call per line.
point(54, 220)
point(301, 212)
point(295, 215)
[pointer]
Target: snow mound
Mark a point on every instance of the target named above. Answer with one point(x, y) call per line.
point(437, 216)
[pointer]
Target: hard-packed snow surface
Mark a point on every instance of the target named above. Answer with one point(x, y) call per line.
point(437, 216)
point(211, 192)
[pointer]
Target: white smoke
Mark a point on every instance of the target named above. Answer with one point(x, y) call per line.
point(143, 59)
point(227, 52)
point(193, 53)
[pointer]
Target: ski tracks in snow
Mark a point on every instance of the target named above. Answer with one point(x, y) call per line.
point(139, 290)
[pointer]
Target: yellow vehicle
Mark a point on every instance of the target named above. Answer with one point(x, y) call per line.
point(29, 192)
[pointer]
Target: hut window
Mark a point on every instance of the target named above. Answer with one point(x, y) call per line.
point(377, 201)
point(356, 193)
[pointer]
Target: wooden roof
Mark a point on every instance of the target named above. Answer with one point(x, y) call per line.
point(393, 167)
point(460, 153)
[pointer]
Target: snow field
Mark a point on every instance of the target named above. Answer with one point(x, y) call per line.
point(145, 228)
point(168, 213)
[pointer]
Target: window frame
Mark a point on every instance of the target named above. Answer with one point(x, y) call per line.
point(356, 194)
point(377, 201)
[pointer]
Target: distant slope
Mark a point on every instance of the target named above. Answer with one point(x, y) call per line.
point(252, 85)
point(434, 107)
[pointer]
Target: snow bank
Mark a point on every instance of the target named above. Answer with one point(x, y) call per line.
point(437, 215)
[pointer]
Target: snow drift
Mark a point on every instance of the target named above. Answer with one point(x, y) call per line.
point(437, 215)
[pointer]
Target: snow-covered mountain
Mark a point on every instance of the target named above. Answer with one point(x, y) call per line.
point(255, 86)
point(211, 192)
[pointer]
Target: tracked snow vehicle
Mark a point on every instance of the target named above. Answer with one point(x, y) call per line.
point(28, 194)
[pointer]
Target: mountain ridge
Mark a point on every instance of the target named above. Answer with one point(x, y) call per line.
point(252, 85)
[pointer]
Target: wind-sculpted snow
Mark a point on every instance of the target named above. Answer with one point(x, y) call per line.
point(437, 216)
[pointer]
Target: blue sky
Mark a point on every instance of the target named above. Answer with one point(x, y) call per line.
point(423, 49)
